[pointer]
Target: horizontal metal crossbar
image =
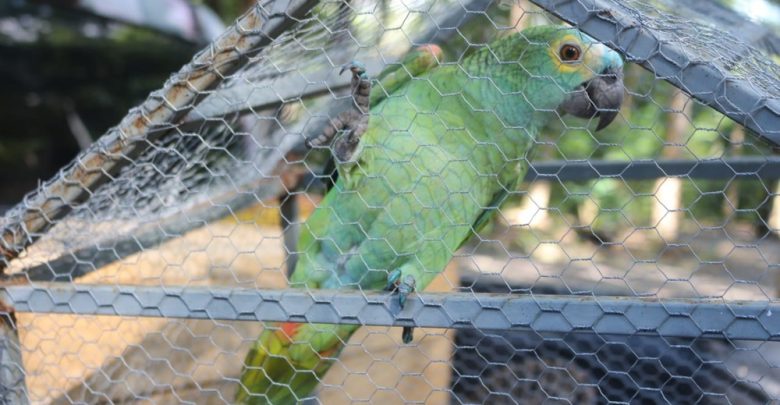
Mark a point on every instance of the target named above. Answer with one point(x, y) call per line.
point(757, 167)
point(74, 264)
point(748, 320)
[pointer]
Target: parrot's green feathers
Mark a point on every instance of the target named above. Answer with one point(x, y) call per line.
point(418, 61)
point(444, 146)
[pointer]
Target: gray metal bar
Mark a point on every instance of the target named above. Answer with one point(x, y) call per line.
point(754, 167)
point(734, 97)
point(744, 168)
point(748, 320)
point(75, 264)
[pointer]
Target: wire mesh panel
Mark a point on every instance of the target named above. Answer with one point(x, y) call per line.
point(420, 202)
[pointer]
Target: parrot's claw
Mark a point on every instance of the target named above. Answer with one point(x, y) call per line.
point(392, 280)
point(351, 124)
point(407, 335)
point(358, 69)
point(403, 286)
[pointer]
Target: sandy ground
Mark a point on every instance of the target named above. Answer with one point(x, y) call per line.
point(104, 359)
point(78, 359)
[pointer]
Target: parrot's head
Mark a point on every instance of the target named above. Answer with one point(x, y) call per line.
point(588, 74)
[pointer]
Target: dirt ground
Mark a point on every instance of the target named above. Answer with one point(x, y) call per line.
point(90, 359)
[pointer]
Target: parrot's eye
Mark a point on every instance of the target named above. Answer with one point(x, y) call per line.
point(570, 53)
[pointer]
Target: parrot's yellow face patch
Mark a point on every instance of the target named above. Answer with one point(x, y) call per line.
point(571, 55)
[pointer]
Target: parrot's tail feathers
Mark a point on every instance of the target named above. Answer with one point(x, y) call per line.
point(286, 363)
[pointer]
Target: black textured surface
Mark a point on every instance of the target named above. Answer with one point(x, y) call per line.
point(516, 367)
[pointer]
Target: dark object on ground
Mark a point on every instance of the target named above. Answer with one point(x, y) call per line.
point(523, 367)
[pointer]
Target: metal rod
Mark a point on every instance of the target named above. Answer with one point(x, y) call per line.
point(755, 167)
point(13, 386)
point(74, 264)
point(748, 320)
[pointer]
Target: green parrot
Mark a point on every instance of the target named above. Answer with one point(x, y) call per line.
point(436, 158)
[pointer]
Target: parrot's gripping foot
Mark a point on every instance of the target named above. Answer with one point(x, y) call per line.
point(358, 69)
point(351, 123)
point(403, 286)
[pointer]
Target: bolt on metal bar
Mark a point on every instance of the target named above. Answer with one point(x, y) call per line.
point(734, 97)
point(156, 117)
point(691, 318)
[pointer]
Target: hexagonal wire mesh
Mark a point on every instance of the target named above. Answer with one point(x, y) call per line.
point(635, 264)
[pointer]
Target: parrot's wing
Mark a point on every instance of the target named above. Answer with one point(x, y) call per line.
point(484, 217)
point(495, 203)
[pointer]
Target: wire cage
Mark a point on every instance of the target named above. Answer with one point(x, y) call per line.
point(633, 264)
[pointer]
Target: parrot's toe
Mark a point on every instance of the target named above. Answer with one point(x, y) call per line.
point(401, 285)
point(317, 142)
point(392, 280)
point(404, 286)
point(357, 68)
point(344, 148)
point(407, 335)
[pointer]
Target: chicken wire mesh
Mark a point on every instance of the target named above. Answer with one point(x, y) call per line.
point(635, 263)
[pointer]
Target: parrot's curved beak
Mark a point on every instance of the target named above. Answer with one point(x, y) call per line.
point(600, 97)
